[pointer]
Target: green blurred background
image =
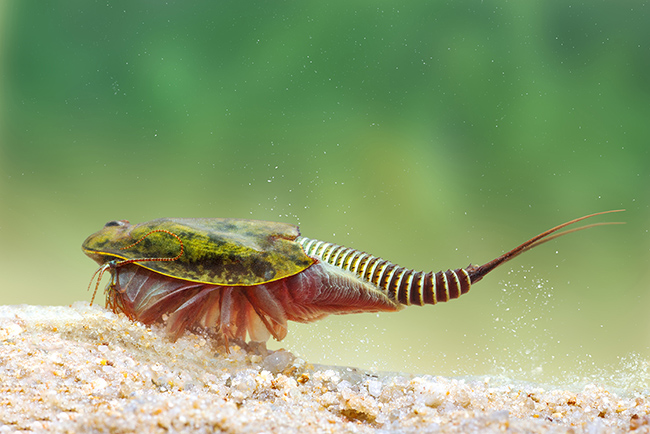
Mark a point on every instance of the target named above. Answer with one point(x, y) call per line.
point(431, 133)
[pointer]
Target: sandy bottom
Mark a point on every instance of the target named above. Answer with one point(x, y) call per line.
point(84, 369)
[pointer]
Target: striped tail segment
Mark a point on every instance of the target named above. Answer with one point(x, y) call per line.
point(408, 287)
point(417, 287)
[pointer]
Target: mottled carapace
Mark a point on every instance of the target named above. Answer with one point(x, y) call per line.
point(237, 277)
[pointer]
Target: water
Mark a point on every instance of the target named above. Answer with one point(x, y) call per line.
point(433, 135)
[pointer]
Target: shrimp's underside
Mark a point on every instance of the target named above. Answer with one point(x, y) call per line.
point(261, 310)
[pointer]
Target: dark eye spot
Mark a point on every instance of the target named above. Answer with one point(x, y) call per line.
point(116, 223)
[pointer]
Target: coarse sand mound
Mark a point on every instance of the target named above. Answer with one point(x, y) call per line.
point(84, 369)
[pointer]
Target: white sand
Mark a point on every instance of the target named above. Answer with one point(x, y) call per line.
point(84, 369)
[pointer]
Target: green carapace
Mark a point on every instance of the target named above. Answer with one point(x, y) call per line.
point(217, 251)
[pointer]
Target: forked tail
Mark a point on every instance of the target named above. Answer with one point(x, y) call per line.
point(410, 287)
point(476, 272)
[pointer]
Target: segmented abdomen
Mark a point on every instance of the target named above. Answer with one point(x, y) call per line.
point(401, 284)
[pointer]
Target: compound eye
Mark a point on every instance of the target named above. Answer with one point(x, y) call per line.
point(116, 223)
